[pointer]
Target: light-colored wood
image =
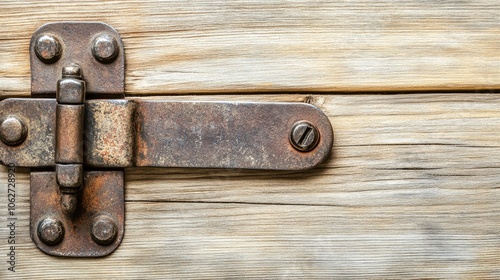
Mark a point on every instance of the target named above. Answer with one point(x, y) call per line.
point(412, 190)
point(274, 45)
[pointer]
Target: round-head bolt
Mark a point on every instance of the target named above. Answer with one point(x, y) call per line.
point(48, 48)
point(12, 131)
point(104, 230)
point(51, 231)
point(304, 136)
point(105, 48)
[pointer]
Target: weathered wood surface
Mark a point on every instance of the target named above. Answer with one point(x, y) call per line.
point(274, 45)
point(412, 190)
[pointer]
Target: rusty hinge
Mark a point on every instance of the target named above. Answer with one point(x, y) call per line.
point(78, 143)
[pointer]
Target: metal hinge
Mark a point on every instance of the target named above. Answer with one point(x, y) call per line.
point(78, 143)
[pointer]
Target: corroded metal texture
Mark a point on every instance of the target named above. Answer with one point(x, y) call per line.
point(69, 175)
point(226, 135)
point(71, 88)
point(105, 48)
point(76, 43)
point(109, 133)
point(50, 231)
point(102, 196)
point(66, 221)
point(123, 133)
point(104, 229)
point(47, 48)
point(39, 117)
point(69, 135)
point(69, 178)
point(13, 130)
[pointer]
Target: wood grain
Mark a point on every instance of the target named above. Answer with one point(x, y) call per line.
point(412, 190)
point(273, 46)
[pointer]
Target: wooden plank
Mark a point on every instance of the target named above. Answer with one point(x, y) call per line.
point(274, 45)
point(412, 191)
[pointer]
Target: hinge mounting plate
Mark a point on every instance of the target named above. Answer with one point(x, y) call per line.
point(74, 213)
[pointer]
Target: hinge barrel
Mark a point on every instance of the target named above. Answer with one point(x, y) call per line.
point(69, 133)
point(70, 111)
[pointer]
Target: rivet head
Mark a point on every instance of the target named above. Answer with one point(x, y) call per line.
point(304, 136)
point(105, 48)
point(104, 230)
point(12, 131)
point(51, 231)
point(48, 48)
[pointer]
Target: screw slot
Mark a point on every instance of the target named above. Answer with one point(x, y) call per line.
point(304, 136)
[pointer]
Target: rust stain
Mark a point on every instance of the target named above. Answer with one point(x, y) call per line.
point(102, 194)
point(109, 131)
point(227, 135)
point(38, 148)
point(105, 79)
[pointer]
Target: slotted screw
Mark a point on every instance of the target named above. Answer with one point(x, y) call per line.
point(304, 136)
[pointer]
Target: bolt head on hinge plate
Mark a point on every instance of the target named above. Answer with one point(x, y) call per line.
point(95, 46)
point(97, 227)
point(72, 214)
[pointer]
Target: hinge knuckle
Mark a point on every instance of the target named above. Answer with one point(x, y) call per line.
point(109, 133)
point(70, 95)
point(69, 133)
